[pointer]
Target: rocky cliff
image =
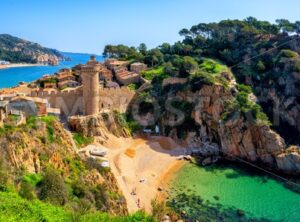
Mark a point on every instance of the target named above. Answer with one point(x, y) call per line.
point(221, 114)
point(16, 50)
point(39, 161)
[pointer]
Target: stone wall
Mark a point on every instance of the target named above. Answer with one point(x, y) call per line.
point(71, 102)
point(115, 98)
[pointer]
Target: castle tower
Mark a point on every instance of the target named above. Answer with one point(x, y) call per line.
point(90, 86)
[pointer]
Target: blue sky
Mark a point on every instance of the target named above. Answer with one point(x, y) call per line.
point(88, 25)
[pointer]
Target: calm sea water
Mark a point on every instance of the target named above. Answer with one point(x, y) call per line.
point(227, 193)
point(12, 76)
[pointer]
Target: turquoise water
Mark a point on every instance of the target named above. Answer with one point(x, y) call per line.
point(12, 76)
point(228, 193)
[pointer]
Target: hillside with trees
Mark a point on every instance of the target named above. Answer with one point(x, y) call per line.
point(16, 50)
point(261, 55)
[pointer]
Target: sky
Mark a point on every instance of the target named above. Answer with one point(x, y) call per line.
point(88, 25)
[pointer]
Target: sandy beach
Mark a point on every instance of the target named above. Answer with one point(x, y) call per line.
point(142, 166)
point(15, 65)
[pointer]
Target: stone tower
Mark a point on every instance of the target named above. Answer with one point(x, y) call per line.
point(90, 86)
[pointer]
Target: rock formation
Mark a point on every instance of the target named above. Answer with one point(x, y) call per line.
point(237, 136)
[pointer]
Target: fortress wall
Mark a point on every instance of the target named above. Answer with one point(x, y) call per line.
point(71, 102)
point(115, 98)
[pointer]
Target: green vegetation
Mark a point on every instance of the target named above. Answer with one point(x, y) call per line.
point(53, 188)
point(133, 86)
point(249, 109)
point(13, 117)
point(288, 53)
point(31, 123)
point(208, 49)
point(81, 140)
point(155, 72)
point(126, 122)
point(211, 66)
point(41, 82)
point(49, 121)
point(28, 53)
point(212, 72)
point(13, 208)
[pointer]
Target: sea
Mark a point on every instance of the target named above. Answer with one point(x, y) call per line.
point(12, 76)
point(227, 192)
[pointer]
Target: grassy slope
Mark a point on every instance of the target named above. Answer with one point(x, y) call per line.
point(13, 208)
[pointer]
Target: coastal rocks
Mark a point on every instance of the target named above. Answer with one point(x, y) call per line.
point(289, 161)
point(249, 141)
point(47, 59)
point(205, 152)
point(210, 160)
point(235, 137)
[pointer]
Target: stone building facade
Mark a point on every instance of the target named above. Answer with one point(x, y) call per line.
point(138, 67)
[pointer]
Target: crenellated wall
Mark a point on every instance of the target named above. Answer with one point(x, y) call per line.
point(70, 102)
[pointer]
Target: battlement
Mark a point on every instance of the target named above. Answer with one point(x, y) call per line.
point(77, 91)
point(112, 90)
point(90, 69)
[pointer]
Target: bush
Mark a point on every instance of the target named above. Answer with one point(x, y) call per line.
point(211, 66)
point(82, 140)
point(288, 53)
point(158, 72)
point(105, 116)
point(33, 178)
point(133, 86)
point(4, 176)
point(244, 88)
point(53, 188)
point(250, 110)
point(27, 191)
point(260, 66)
point(127, 122)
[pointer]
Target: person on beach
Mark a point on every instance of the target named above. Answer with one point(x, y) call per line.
point(139, 203)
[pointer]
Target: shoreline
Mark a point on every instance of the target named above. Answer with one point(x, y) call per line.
point(141, 166)
point(168, 176)
point(16, 65)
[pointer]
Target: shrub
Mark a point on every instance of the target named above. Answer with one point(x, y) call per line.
point(250, 110)
point(158, 72)
point(260, 66)
point(127, 122)
point(4, 176)
point(27, 191)
point(244, 88)
point(288, 53)
point(105, 116)
point(82, 140)
point(133, 86)
point(53, 188)
point(211, 66)
point(33, 178)
point(50, 134)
